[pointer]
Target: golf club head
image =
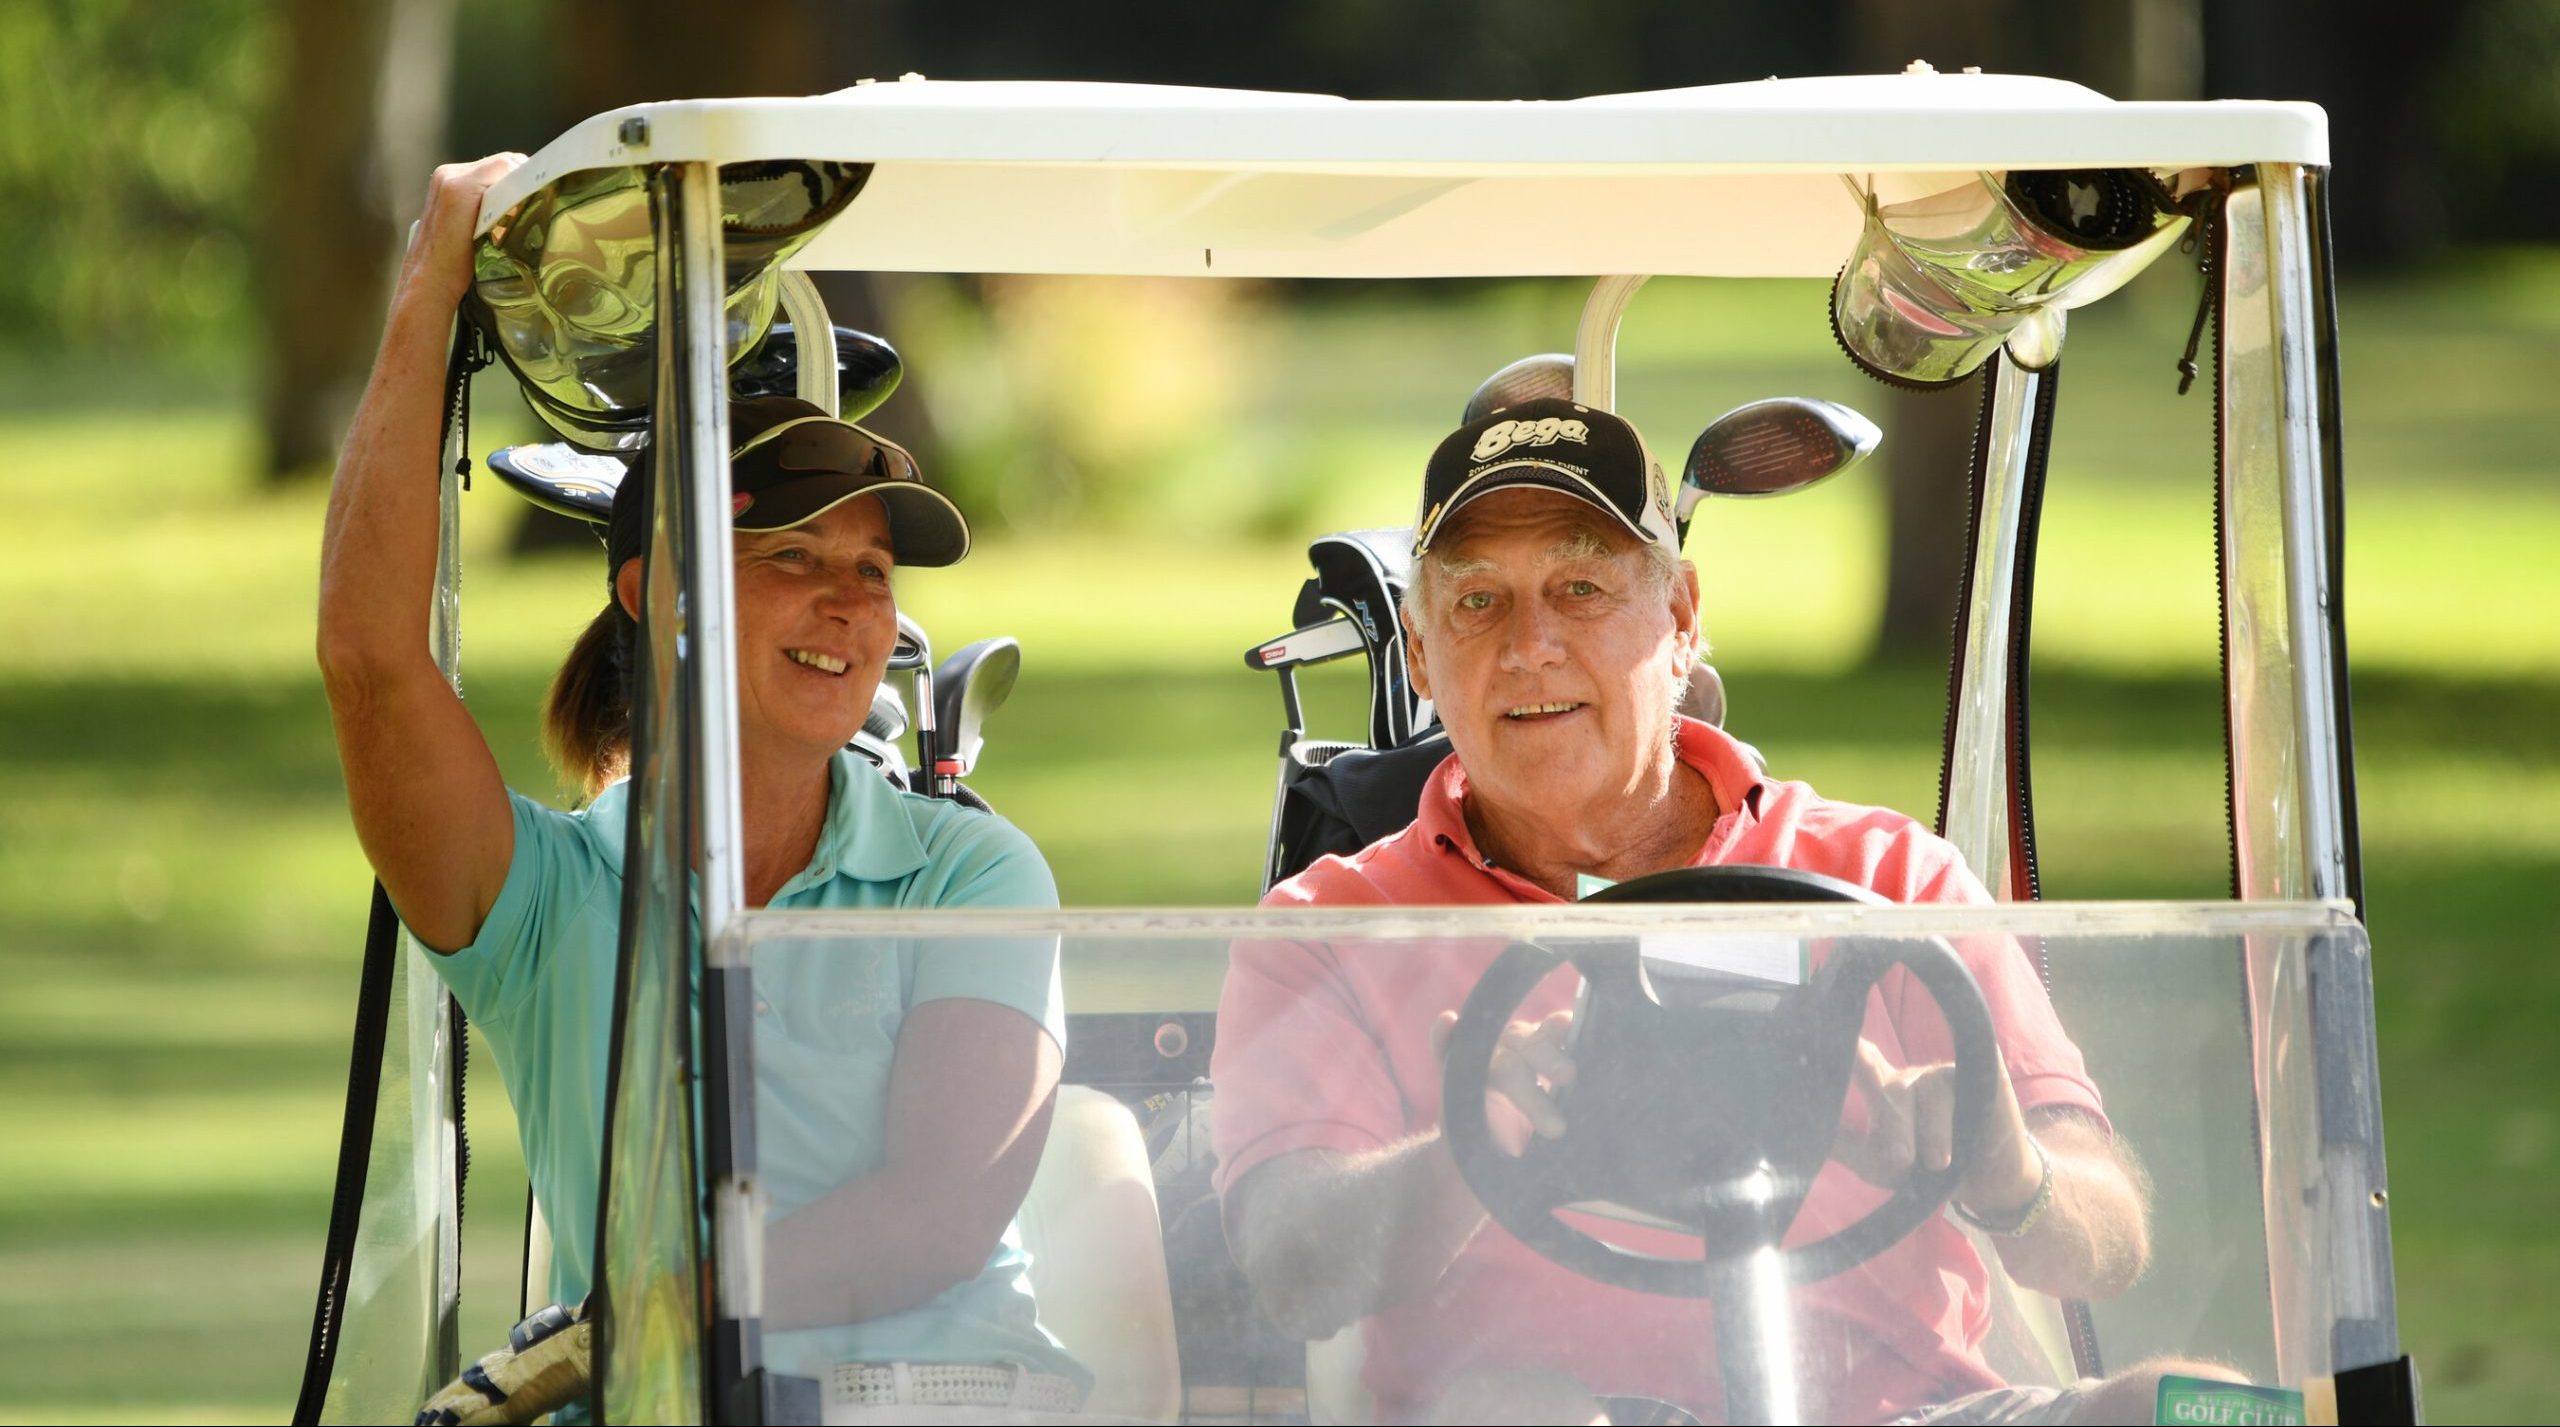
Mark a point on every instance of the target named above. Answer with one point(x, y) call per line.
point(1546, 374)
point(973, 683)
point(1772, 447)
point(881, 730)
point(887, 720)
point(578, 483)
point(867, 370)
point(1328, 638)
point(913, 649)
point(562, 479)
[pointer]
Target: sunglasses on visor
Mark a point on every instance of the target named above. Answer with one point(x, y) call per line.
point(813, 444)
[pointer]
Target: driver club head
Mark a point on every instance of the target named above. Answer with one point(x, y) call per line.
point(867, 369)
point(1768, 447)
point(1773, 447)
point(1546, 374)
point(970, 685)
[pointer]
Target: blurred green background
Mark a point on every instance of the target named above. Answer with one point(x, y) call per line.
point(194, 270)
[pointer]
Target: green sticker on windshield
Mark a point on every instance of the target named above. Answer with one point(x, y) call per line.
point(2186, 1400)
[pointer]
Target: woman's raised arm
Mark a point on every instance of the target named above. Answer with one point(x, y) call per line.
point(429, 806)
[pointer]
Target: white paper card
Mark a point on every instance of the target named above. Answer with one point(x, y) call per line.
point(1760, 956)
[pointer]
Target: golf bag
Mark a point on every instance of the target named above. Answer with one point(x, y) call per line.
point(1334, 796)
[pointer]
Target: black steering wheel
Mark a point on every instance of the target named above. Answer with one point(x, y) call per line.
point(1702, 1099)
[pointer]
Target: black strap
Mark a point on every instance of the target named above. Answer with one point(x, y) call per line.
point(1985, 385)
point(470, 353)
point(373, 1011)
point(355, 1150)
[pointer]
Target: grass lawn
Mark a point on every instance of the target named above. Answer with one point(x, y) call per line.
point(181, 899)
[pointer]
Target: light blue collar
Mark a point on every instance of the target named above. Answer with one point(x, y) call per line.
point(869, 834)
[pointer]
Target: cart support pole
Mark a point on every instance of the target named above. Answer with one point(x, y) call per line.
point(2310, 579)
point(1755, 1335)
point(1978, 769)
point(694, 326)
point(2289, 791)
point(1595, 341)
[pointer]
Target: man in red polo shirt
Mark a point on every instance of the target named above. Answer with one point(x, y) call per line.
point(1551, 621)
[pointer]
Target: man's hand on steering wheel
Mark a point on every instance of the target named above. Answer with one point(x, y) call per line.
point(1910, 1124)
point(1529, 1066)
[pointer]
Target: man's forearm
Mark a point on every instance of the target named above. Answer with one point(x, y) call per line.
point(1327, 1238)
point(2093, 1239)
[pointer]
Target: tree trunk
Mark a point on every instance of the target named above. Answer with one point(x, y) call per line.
point(2379, 68)
point(349, 142)
point(322, 258)
point(1928, 459)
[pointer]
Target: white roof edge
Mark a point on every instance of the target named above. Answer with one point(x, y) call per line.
point(1849, 124)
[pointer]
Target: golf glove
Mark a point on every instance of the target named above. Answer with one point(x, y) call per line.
point(543, 1367)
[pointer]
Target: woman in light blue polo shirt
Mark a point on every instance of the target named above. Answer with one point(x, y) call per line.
point(904, 1099)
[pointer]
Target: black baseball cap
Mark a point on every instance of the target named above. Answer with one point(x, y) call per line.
point(1553, 444)
point(790, 463)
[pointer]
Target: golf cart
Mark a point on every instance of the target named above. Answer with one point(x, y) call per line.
point(1961, 217)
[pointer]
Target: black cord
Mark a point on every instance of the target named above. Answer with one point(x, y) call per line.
point(355, 1153)
point(470, 354)
point(2204, 239)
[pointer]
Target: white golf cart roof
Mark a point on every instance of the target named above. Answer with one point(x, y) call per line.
point(1137, 179)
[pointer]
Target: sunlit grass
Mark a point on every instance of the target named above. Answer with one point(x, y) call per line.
point(181, 896)
point(198, 582)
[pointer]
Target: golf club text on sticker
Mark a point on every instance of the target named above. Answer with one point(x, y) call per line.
point(2202, 1400)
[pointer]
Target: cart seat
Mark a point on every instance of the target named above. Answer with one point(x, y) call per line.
point(1097, 1257)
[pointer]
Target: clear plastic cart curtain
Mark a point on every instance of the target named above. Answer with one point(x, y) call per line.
point(395, 1330)
point(649, 1336)
point(396, 1340)
point(1203, 1049)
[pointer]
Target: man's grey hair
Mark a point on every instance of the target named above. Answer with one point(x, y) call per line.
point(1588, 541)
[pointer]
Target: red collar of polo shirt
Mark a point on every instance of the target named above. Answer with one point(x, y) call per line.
point(1731, 776)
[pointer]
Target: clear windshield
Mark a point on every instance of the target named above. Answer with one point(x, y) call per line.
point(1399, 1165)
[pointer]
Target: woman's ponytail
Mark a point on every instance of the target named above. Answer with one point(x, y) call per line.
point(586, 718)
